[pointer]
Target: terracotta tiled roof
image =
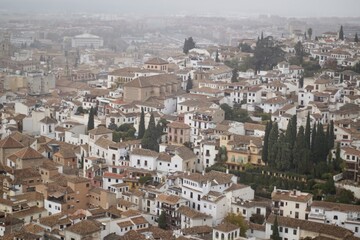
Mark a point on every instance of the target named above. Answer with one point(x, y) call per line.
point(85, 227)
point(100, 131)
point(226, 227)
point(125, 224)
point(197, 230)
point(336, 206)
point(278, 195)
point(139, 220)
point(169, 199)
point(191, 213)
point(28, 153)
point(156, 61)
point(145, 152)
point(10, 142)
point(309, 226)
point(48, 120)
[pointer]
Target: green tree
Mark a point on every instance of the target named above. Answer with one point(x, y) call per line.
point(275, 230)
point(217, 56)
point(356, 38)
point(257, 218)
point(264, 155)
point(162, 220)
point(222, 155)
point(235, 75)
point(301, 154)
point(301, 82)
point(307, 131)
point(309, 32)
point(345, 196)
point(245, 48)
point(283, 154)
point(313, 139)
point(91, 120)
point(238, 220)
point(189, 84)
point(299, 51)
point(341, 33)
point(79, 110)
point(145, 179)
point(272, 146)
point(337, 161)
point(228, 111)
point(150, 141)
point(329, 186)
point(188, 45)
point(141, 125)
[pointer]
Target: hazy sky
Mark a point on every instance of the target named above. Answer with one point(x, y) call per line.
point(299, 8)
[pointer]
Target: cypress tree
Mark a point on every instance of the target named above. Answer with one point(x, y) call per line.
point(275, 230)
point(91, 123)
point(272, 148)
point(301, 153)
point(313, 139)
point(234, 76)
point(162, 220)
point(217, 56)
point(283, 154)
point(189, 84)
point(356, 39)
point(320, 144)
point(150, 141)
point(266, 142)
point(307, 131)
point(331, 135)
point(141, 125)
point(341, 33)
point(337, 161)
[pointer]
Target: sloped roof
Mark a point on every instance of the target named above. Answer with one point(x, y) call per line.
point(48, 120)
point(28, 153)
point(10, 142)
point(100, 130)
point(156, 61)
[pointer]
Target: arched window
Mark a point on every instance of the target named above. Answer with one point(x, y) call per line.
point(216, 235)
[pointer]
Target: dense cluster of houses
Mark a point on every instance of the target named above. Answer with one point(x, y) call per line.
point(60, 180)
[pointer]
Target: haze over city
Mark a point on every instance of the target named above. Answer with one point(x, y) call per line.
point(304, 8)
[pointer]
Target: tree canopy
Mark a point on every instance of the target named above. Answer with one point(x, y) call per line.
point(150, 139)
point(91, 121)
point(188, 45)
point(238, 220)
point(141, 125)
point(341, 33)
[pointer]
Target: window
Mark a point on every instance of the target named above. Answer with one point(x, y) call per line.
point(296, 215)
point(297, 205)
point(335, 217)
point(294, 232)
point(356, 229)
point(286, 230)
